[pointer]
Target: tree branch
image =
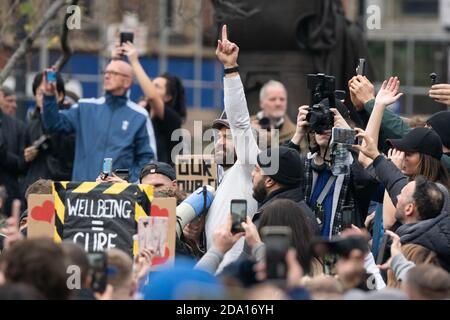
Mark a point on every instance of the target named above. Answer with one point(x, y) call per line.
point(5, 22)
point(26, 43)
point(65, 47)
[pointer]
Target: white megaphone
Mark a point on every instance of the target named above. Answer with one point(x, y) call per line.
point(194, 206)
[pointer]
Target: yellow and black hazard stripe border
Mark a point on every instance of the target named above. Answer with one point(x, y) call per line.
point(143, 193)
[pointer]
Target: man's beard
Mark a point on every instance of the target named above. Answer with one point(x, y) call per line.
point(399, 216)
point(259, 191)
point(223, 157)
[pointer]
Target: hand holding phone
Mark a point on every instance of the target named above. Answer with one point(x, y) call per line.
point(106, 169)
point(238, 209)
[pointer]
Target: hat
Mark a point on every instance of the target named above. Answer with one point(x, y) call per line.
point(221, 122)
point(290, 167)
point(440, 122)
point(158, 167)
point(422, 140)
point(182, 281)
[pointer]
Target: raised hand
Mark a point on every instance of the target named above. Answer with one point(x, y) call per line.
point(130, 51)
point(388, 93)
point(368, 148)
point(397, 157)
point(361, 91)
point(227, 52)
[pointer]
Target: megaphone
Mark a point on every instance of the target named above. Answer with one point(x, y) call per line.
point(194, 206)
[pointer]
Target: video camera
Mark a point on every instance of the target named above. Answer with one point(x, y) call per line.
point(322, 87)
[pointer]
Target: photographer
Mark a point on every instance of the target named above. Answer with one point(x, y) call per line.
point(346, 199)
point(47, 156)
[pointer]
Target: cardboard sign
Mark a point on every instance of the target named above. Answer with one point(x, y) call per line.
point(166, 208)
point(195, 171)
point(41, 216)
point(100, 216)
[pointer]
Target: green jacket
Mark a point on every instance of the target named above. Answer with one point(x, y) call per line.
point(393, 127)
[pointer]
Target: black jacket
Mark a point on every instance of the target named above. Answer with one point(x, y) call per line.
point(55, 158)
point(12, 164)
point(295, 194)
point(433, 234)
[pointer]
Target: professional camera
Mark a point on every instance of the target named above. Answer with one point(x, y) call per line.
point(42, 144)
point(320, 117)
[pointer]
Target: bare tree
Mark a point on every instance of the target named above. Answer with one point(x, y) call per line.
point(26, 43)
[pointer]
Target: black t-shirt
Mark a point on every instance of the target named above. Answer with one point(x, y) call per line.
point(163, 132)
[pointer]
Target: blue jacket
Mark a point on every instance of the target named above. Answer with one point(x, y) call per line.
point(107, 127)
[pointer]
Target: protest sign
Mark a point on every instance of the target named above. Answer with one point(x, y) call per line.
point(41, 216)
point(100, 216)
point(195, 171)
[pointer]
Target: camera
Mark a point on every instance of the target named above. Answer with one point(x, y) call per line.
point(322, 87)
point(42, 144)
point(320, 118)
point(433, 78)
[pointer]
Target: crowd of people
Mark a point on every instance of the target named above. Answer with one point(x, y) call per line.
point(377, 229)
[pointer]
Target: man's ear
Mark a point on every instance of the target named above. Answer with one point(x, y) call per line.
point(174, 184)
point(269, 182)
point(410, 209)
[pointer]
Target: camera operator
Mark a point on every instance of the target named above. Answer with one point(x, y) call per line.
point(337, 200)
point(48, 156)
point(273, 103)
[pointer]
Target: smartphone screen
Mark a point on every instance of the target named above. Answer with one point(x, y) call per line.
point(51, 76)
point(126, 37)
point(238, 209)
point(278, 241)
point(343, 136)
point(97, 271)
point(107, 166)
point(361, 70)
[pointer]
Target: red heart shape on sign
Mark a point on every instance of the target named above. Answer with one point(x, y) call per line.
point(158, 212)
point(44, 212)
point(160, 260)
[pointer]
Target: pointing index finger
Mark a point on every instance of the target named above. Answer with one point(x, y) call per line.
point(224, 32)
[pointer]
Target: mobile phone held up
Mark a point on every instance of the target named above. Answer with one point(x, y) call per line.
point(97, 271)
point(106, 169)
point(343, 136)
point(50, 76)
point(361, 69)
point(238, 209)
point(278, 240)
point(126, 37)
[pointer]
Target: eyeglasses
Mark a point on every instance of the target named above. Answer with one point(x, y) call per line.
point(114, 73)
